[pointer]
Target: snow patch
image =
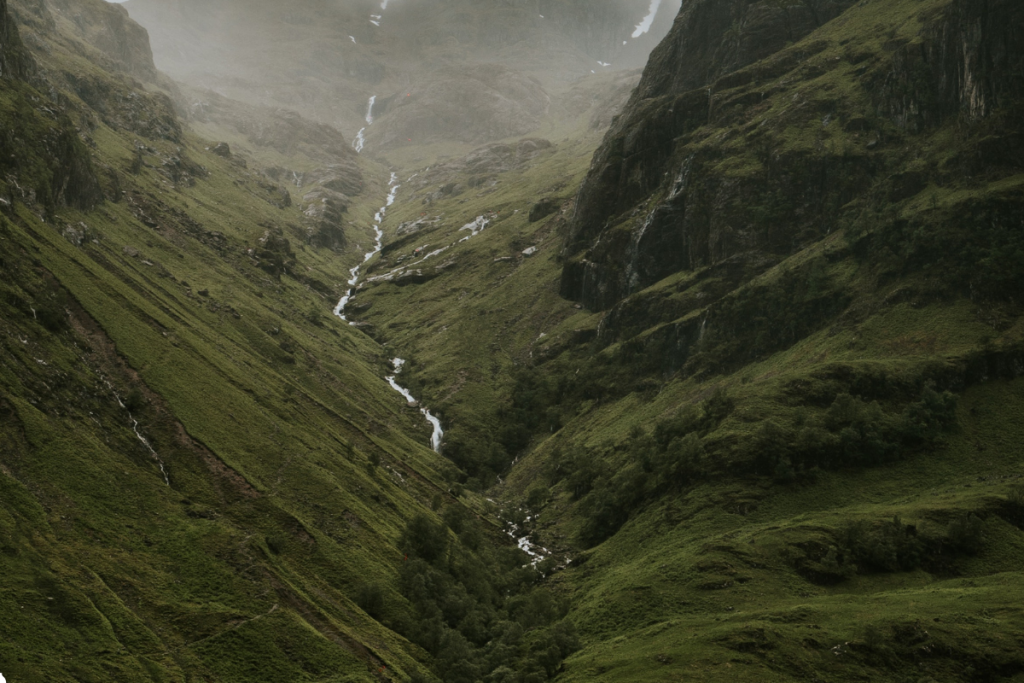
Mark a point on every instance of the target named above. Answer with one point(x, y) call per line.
point(648, 21)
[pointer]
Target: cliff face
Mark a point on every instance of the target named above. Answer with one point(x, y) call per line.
point(13, 62)
point(105, 30)
point(42, 160)
point(109, 29)
point(738, 148)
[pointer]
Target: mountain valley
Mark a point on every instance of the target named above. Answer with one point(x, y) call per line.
point(352, 341)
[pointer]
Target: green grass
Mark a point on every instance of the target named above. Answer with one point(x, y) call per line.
point(294, 467)
point(709, 582)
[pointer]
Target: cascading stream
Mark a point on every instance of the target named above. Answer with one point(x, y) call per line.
point(435, 438)
point(145, 442)
point(339, 311)
point(360, 142)
point(378, 244)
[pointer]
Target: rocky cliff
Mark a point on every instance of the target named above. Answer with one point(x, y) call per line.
point(746, 140)
point(43, 162)
point(103, 30)
point(13, 61)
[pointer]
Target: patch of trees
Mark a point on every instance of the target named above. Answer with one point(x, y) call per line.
point(892, 546)
point(671, 457)
point(478, 609)
point(852, 433)
point(677, 453)
point(975, 250)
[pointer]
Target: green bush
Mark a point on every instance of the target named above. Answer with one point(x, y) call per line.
point(887, 547)
point(479, 610)
point(370, 598)
point(424, 539)
point(965, 534)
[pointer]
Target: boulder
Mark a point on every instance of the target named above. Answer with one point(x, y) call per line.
point(544, 208)
point(222, 149)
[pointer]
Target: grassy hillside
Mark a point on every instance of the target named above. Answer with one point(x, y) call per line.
point(793, 457)
point(204, 474)
point(797, 464)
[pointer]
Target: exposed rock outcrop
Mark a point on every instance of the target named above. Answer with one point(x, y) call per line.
point(325, 209)
point(731, 148)
point(14, 63)
point(108, 28)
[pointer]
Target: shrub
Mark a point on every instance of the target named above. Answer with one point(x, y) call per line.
point(886, 547)
point(538, 497)
point(370, 598)
point(424, 539)
point(965, 534)
point(276, 544)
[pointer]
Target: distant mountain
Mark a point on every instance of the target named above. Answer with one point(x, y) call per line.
point(326, 60)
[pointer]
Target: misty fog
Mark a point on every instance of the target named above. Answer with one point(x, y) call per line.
point(437, 70)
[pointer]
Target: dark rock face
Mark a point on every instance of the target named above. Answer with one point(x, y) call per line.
point(660, 197)
point(108, 28)
point(325, 209)
point(222, 149)
point(714, 38)
point(970, 63)
point(150, 115)
point(14, 63)
point(544, 208)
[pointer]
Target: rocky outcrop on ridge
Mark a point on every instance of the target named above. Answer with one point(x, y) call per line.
point(738, 147)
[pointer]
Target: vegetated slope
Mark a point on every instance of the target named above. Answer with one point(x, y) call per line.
point(778, 437)
point(203, 474)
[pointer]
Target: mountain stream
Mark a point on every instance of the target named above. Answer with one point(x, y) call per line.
point(339, 311)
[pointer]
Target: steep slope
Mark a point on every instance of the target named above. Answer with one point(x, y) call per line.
point(774, 426)
point(772, 434)
point(717, 158)
point(204, 475)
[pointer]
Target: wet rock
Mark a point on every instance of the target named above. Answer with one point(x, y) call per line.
point(222, 149)
point(414, 277)
point(325, 209)
point(544, 208)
